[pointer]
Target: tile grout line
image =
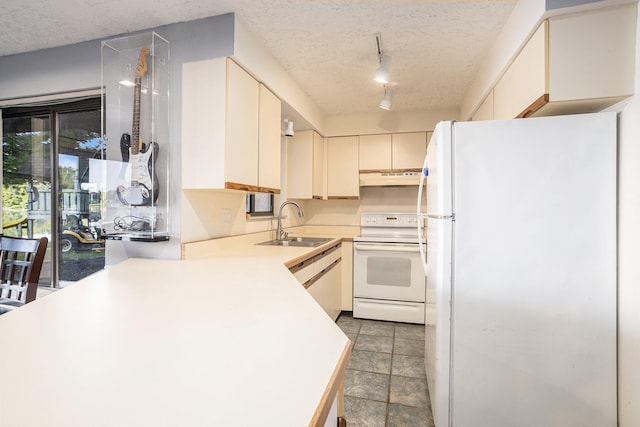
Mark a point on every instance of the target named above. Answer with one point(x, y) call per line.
point(393, 341)
point(394, 335)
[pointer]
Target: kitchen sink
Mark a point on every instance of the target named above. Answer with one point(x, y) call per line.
point(298, 241)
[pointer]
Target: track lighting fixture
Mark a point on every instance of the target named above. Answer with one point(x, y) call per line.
point(288, 127)
point(385, 104)
point(383, 72)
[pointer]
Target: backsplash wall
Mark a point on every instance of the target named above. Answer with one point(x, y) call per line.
point(347, 212)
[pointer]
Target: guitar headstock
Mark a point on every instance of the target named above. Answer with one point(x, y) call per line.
point(141, 68)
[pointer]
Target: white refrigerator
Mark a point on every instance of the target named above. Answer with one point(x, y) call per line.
point(521, 271)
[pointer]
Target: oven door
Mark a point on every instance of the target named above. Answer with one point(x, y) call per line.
point(388, 271)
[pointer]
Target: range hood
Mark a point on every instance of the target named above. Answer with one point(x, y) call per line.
point(382, 179)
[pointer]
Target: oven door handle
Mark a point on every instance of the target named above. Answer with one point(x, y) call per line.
point(386, 248)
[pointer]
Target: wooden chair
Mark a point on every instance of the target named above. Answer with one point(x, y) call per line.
point(20, 264)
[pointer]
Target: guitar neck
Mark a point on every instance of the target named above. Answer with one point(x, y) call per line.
point(136, 141)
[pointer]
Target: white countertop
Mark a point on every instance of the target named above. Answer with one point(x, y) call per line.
point(225, 341)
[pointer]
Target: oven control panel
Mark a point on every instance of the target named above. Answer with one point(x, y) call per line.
point(383, 219)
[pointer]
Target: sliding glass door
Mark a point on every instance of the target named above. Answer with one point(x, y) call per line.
point(65, 205)
point(26, 177)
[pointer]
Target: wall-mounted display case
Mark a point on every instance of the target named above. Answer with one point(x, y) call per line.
point(135, 101)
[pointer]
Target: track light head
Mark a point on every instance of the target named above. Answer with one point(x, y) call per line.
point(385, 104)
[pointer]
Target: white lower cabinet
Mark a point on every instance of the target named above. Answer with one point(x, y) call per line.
point(321, 275)
point(326, 290)
point(347, 276)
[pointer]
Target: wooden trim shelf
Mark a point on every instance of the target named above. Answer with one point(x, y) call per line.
point(335, 382)
point(318, 276)
point(535, 106)
point(250, 188)
point(293, 263)
point(389, 170)
point(313, 257)
point(307, 262)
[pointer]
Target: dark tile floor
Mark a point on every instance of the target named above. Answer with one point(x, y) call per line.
point(385, 383)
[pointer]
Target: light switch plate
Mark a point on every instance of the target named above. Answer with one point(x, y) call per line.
point(226, 216)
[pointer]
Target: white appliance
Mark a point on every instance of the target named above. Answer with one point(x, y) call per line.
point(369, 179)
point(521, 260)
point(388, 279)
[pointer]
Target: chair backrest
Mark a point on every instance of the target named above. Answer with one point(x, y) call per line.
point(20, 264)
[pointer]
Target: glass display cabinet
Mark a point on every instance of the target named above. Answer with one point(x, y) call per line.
point(135, 105)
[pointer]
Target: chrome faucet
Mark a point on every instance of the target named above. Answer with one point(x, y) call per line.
point(280, 234)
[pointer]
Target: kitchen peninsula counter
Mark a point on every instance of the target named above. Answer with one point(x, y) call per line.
point(229, 340)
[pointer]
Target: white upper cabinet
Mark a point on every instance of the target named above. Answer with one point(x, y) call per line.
point(230, 129)
point(305, 166)
point(243, 96)
point(572, 64)
point(269, 141)
point(319, 172)
point(392, 152)
point(375, 153)
point(343, 180)
point(408, 150)
point(485, 111)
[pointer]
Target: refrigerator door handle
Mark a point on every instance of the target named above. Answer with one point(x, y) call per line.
point(420, 216)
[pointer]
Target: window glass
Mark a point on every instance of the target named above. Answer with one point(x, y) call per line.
point(46, 185)
point(259, 204)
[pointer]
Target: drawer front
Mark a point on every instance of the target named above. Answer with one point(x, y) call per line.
point(324, 260)
point(305, 273)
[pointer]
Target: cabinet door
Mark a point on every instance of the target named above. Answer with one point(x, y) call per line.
point(326, 291)
point(592, 55)
point(485, 111)
point(203, 123)
point(408, 150)
point(319, 167)
point(242, 126)
point(375, 153)
point(269, 150)
point(346, 284)
point(343, 181)
point(300, 162)
point(305, 165)
point(526, 79)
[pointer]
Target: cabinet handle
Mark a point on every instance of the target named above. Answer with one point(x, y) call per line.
point(317, 277)
point(387, 248)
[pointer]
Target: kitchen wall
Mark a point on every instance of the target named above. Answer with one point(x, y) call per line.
point(347, 212)
point(386, 122)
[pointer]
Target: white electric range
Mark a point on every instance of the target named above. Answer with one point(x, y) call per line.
point(388, 279)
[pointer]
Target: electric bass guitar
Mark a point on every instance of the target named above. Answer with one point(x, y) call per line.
point(144, 186)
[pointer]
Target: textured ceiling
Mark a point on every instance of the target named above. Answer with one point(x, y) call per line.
point(327, 46)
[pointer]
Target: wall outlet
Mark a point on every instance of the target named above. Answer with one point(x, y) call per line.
point(226, 216)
